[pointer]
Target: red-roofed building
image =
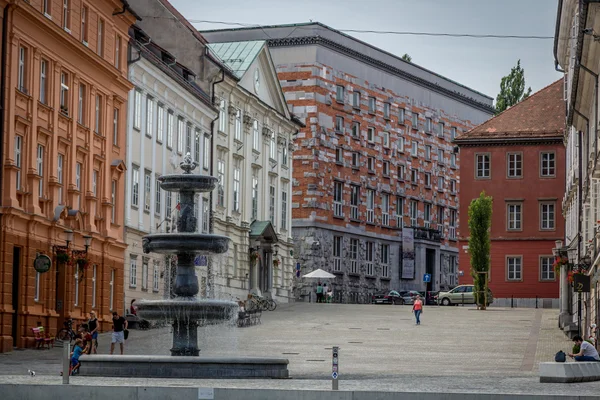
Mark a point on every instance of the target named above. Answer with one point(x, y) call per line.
point(518, 158)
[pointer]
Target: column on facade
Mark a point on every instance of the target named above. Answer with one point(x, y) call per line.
point(9, 197)
point(129, 146)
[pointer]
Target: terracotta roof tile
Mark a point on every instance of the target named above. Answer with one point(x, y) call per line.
point(540, 116)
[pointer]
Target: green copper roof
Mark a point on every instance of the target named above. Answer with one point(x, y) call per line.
point(237, 55)
point(257, 228)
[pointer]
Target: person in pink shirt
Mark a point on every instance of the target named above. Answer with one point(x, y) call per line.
point(418, 309)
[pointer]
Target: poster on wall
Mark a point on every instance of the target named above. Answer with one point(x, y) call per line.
point(408, 253)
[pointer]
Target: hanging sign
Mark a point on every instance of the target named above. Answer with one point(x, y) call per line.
point(42, 263)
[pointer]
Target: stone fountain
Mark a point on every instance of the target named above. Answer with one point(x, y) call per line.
point(185, 312)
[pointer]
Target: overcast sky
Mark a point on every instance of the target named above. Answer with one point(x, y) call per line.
point(477, 63)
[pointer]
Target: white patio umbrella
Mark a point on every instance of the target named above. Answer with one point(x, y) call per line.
point(319, 274)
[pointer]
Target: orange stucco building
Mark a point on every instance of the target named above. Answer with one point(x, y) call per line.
point(64, 106)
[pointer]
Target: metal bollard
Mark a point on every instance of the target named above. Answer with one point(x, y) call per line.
point(463, 299)
point(334, 368)
point(512, 300)
point(536, 301)
point(66, 362)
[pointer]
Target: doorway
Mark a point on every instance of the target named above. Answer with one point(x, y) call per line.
point(430, 267)
point(15, 294)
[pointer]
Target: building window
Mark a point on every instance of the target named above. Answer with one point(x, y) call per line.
point(157, 196)
point(414, 213)
point(160, 127)
point(221, 184)
point(111, 284)
point(222, 115)
point(207, 149)
point(515, 165)
point(452, 224)
point(514, 216)
point(337, 253)
point(64, 93)
point(113, 200)
point(43, 81)
point(170, 129)
point(401, 116)
point(372, 105)
point(180, 128)
point(255, 136)
point(399, 212)
point(370, 134)
point(272, 201)
point(272, 147)
point(386, 110)
point(441, 182)
point(371, 164)
point(441, 156)
point(133, 272)
point(137, 109)
point(18, 159)
point(369, 256)
point(440, 129)
point(354, 201)
point(60, 176)
point(440, 219)
point(427, 179)
point(76, 302)
point(453, 133)
point(78, 167)
point(401, 144)
point(149, 116)
point(355, 160)
point(453, 160)
point(94, 279)
point(339, 125)
point(427, 215)
point(66, 19)
point(514, 268)
point(370, 206)
point(155, 277)
point(355, 129)
point(147, 190)
point(238, 125)
point(547, 216)
point(168, 204)
point(414, 176)
point(338, 197)
point(197, 146)
point(452, 185)
point(386, 168)
point(135, 189)
point(385, 260)
point(205, 215)
point(427, 152)
point(95, 183)
point(145, 274)
point(284, 154)
point(547, 268)
point(116, 126)
point(401, 172)
point(356, 99)
point(284, 210)
point(414, 148)
point(482, 166)
point(236, 186)
point(385, 209)
point(98, 115)
point(118, 52)
point(254, 194)
point(428, 125)
point(339, 94)
point(353, 256)
point(84, 25)
point(188, 138)
point(548, 164)
point(40, 169)
point(100, 49)
point(81, 104)
point(415, 120)
point(386, 139)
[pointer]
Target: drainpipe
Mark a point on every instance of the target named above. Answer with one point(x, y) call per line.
point(212, 139)
point(3, 85)
point(556, 34)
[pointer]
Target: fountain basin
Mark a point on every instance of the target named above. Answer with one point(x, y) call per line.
point(188, 183)
point(183, 309)
point(183, 367)
point(178, 243)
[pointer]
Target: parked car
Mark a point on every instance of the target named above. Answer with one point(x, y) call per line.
point(462, 294)
point(409, 296)
point(388, 297)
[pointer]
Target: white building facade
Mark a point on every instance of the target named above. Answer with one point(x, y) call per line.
point(252, 157)
point(168, 116)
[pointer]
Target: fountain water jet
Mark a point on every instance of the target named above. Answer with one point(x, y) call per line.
point(185, 311)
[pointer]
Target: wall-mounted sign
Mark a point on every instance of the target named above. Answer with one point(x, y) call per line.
point(42, 263)
point(581, 283)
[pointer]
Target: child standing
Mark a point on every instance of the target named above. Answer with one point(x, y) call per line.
point(75, 354)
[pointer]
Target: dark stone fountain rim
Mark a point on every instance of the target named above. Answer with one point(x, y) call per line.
point(184, 359)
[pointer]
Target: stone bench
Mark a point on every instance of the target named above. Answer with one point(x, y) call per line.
point(567, 372)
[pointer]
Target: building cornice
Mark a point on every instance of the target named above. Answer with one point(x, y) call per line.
point(330, 44)
point(508, 142)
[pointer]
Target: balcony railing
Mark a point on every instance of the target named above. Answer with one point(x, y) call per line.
point(427, 234)
point(337, 209)
point(452, 232)
point(370, 216)
point(353, 212)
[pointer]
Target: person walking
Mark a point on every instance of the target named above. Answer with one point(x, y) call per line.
point(418, 309)
point(118, 335)
point(319, 293)
point(93, 329)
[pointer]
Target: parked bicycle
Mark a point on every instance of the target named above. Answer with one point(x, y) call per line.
point(67, 333)
point(260, 303)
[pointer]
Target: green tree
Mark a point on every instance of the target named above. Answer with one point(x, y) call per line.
point(480, 221)
point(512, 89)
point(406, 57)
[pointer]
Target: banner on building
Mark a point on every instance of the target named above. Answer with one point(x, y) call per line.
point(408, 253)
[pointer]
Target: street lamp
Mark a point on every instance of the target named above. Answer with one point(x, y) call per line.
point(69, 236)
point(87, 240)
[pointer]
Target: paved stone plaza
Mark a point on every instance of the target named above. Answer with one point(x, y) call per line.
point(456, 349)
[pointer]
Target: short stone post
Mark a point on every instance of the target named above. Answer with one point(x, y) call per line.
point(66, 362)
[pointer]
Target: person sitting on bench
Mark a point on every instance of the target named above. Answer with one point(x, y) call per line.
point(587, 352)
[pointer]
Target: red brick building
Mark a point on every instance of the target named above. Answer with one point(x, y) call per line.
point(518, 158)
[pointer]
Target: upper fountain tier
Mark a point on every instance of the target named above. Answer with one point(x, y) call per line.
point(182, 243)
point(188, 182)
